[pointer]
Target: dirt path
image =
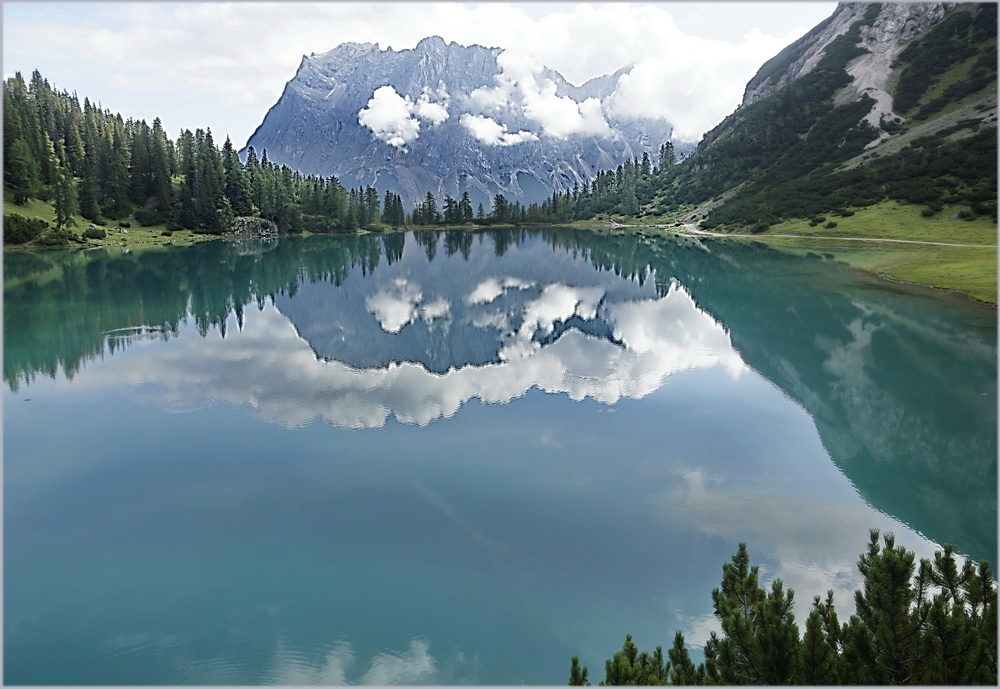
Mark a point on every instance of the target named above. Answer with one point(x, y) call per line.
point(693, 230)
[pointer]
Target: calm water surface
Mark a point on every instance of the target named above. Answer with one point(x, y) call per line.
point(460, 458)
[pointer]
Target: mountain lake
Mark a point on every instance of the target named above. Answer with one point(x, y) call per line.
point(461, 457)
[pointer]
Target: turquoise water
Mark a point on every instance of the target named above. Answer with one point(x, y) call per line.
point(459, 458)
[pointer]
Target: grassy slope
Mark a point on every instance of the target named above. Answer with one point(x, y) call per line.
point(969, 270)
point(893, 220)
point(137, 235)
point(972, 270)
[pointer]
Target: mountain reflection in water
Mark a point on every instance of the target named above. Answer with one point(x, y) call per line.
point(561, 432)
point(901, 382)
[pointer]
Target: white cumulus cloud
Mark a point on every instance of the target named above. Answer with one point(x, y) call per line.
point(522, 87)
point(401, 302)
point(492, 133)
point(489, 289)
point(433, 111)
point(191, 65)
point(393, 118)
point(390, 118)
point(414, 666)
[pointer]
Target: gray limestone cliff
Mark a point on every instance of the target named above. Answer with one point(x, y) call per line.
point(447, 119)
point(896, 24)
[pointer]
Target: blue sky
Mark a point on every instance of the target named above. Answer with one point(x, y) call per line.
point(222, 65)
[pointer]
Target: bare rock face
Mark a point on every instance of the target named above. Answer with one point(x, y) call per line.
point(896, 24)
point(448, 119)
point(900, 22)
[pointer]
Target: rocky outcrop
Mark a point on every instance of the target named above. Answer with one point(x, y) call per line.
point(448, 119)
point(253, 227)
point(896, 24)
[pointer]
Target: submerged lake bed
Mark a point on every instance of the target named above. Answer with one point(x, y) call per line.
point(460, 457)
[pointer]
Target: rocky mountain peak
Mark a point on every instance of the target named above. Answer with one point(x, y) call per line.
point(448, 118)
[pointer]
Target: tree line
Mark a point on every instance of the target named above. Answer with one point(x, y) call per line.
point(86, 161)
point(91, 162)
point(932, 623)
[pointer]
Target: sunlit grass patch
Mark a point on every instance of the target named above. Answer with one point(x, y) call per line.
point(971, 270)
point(894, 220)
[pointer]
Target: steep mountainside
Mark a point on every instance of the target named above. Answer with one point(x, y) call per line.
point(447, 118)
point(880, 101)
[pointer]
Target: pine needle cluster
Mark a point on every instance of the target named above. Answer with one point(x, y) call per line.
point(932, 622)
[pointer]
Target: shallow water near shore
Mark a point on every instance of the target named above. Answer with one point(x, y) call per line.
point(460, 457)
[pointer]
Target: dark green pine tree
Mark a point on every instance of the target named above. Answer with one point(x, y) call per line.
point(89, 186)
point(819, 660)
point(388, 209)
point(71, 136)
point(22, 172)
point(400, 213)
point(254, 183)
point(465, 207)
point(760, 640)
point(578, 674)
point(630, 667)
point(430, 212)
point(644, 169)
point(211, 205)
point(64, 193)
point(360, 207)
point(668, 157)
point(141, 174)
point(882, 641)
point(902, 633)
point(15, 94)
point(451, 212)
point(681, 670)
point(159, 189)
point(115, 179)
point(289, 217)
point(186, 214)
point(501, 209)
point(237, 184)
point(268, 203)
point(372, 205)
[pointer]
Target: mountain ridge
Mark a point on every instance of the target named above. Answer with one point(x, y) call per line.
point(831, 122)
point(448, 118)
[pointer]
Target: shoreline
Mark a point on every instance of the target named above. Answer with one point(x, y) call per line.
point(152, 237)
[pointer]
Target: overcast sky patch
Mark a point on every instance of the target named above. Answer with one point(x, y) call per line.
point(222, 65)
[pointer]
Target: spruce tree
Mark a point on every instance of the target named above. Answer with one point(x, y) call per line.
point(681, 668)
point(465, 207)
point(882, 640)
point(932, 624)
point(577, 674)
point(22, 172)
point(64, 193)
point(430, 213)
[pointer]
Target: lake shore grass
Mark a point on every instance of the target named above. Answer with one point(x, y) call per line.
point(893, 220)
point(135, 234)
point(971, 270)
point(968, 269)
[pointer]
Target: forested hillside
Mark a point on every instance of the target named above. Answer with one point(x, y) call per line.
point(90, 163)
point(801, 151)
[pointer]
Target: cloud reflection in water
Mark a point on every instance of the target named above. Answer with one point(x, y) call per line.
point(268, 367)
